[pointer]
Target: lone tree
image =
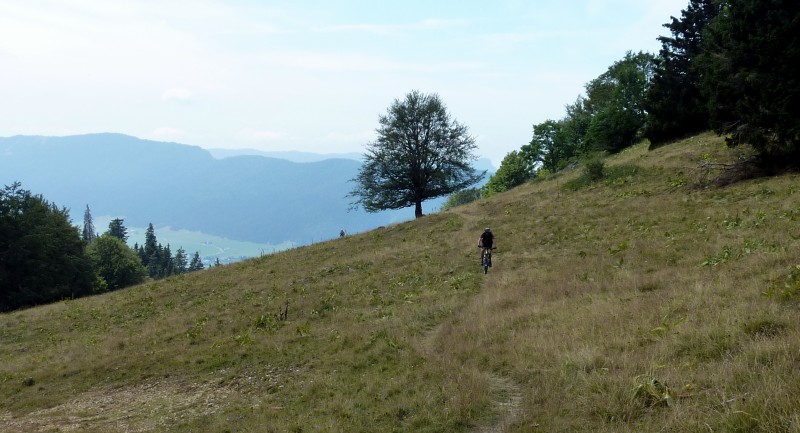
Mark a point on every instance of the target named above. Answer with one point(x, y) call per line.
point(420, 153)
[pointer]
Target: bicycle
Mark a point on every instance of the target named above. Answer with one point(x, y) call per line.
point(486, 259)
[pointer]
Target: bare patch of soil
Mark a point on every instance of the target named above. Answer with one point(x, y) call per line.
point(150, 406)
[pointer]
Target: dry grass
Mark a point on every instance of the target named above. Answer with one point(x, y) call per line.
point(649, 301)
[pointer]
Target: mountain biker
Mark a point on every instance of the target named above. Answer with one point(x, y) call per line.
point(486, 242)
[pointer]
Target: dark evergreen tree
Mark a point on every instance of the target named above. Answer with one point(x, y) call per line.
point(420, 153)
point(150, 247)
point(115, 262)
point(42, 256)
point(181, 262)
point(674, 102)
point(155, 263)
point(117, 229)
point(167, 262)
point(88, 234)
point(196, 263)
point(750, 75)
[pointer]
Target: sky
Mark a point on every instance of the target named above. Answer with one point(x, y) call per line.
point(306, 75)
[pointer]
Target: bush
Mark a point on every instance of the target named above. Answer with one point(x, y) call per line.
point(594, 169)
point(115, 262)
point(462, 197)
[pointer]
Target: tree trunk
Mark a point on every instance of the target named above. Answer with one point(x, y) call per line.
point(418, 209)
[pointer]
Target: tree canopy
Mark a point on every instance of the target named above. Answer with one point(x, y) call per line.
point(159, 261)
point(42, 257)
point(750, 76)
point(514, 170)
point(674, 102)
point(117, 229)
point(616, 99)
point(420, 153)
point(547, 148)
point(609, 118)
point(115, 262)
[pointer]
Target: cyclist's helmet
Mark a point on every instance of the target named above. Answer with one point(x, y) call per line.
point(487, 230)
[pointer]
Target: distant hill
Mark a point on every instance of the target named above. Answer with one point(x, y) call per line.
point(252, 198)
point(295, 156)
point(289, 155)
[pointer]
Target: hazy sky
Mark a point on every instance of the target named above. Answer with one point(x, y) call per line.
point(305, 75)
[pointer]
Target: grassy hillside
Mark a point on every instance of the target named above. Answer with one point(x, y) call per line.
point(649, 301)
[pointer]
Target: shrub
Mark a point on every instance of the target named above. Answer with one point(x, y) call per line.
point(594, 169)
point(462, 197)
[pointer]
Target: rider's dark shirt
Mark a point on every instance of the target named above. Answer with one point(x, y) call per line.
point(487, 239)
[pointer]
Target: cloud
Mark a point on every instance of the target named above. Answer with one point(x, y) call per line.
point(179, 94)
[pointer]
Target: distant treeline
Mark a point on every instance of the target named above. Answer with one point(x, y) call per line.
point(43, 258)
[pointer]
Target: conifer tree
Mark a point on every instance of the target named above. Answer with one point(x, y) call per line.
point(674, 101)
point(197, 263)
point(750, 75)
point(181, 261)
point(150, 247)
point(88, 233)
point(167, 262)
point(117, 229)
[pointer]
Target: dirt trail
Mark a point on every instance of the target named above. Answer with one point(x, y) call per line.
point(506, 394)
point(508, 404)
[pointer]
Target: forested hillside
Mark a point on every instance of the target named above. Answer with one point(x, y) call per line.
point(722, 67)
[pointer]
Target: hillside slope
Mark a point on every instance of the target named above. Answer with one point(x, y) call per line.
point(650, 301)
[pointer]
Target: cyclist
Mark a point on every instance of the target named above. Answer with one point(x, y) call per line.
point(486, 242)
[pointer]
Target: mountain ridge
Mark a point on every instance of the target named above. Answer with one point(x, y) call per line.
point(250, 198)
